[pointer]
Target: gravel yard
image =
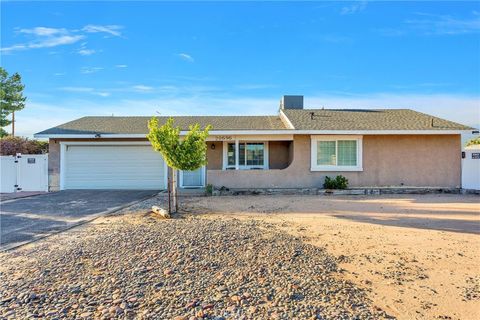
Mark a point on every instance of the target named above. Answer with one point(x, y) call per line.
point(136, 266)
point(257, 257)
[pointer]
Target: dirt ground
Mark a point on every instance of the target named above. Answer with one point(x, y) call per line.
point(417, 255)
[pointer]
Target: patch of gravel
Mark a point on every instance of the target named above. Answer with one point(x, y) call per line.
point(472, 290)
point(190, 268)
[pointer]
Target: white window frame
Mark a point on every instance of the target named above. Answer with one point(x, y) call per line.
point(314, 145)
point(237, 166)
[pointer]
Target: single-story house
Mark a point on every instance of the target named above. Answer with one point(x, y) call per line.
point(295, 148)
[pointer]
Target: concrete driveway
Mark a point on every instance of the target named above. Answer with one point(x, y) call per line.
point(27, 219)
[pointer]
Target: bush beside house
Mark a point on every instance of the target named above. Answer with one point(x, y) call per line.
point(339, 182)
point(10, 146)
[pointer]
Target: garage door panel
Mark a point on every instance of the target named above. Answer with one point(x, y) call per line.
point(113, 167)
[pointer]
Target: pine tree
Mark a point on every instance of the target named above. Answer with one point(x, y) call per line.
point(11, 98)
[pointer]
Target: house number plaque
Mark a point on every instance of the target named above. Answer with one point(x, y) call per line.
point(223, 138)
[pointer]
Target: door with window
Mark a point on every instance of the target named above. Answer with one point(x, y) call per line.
point(192, 179)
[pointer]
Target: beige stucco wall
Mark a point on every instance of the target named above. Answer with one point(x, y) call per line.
point(278, 154)
point(214, 156)
point(388, 160)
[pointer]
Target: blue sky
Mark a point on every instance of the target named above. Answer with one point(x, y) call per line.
point(122, 58)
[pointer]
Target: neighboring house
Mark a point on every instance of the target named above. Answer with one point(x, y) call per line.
point(296, 148)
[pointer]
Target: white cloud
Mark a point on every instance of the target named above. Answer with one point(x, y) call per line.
point(86, 52)
point(45, 37)
point(44, 31)
point(355, 7)
point(120, 66)
point(14, 48)
point(113, 30)
point(253, 86)
point(77, 89)
point(142, 88)
point(89, 70)
point(88, 90)
point(432, 24)
point(59, 74)
point(186, 57)
point(56, 41)
point(44, 42)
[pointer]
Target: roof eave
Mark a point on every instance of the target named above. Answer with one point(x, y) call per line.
point(262, 132)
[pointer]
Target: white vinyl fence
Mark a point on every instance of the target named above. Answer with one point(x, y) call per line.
point(471, 168)
point(24, 172)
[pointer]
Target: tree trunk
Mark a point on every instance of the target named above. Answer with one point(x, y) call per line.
point(13, 124)
point(174, 191)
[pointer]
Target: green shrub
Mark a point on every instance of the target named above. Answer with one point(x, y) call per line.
point(209, 189)
point(10, 146)
point(339, 182)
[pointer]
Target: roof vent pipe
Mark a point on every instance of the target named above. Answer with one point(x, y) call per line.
point(291, 102)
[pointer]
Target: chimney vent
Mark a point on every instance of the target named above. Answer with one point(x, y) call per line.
point(291, 102)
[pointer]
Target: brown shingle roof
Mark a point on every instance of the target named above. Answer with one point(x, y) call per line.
point(302, 119)
point(357, 119)
point(138, 125)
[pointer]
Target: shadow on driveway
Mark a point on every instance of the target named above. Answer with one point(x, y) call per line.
point(27, 219)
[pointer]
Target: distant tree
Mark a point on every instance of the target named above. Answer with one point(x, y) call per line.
point(10, 146)
point(187, 153)
point(11, 99)
point(474, 141)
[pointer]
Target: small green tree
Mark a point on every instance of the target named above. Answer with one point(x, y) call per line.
point(187, 153)
point(11, 99)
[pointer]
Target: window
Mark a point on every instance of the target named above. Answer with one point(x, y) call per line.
point(231, 154)
point(251, 155)
point(326, 155)
point(347, 152)
point(336, 153)
point(254, 154)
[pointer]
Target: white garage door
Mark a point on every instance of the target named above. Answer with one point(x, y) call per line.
point(113, 167)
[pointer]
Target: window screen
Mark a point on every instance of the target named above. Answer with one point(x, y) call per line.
point(347, 153)
point(326, 153)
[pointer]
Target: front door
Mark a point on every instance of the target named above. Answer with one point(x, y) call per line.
point(192, 179)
